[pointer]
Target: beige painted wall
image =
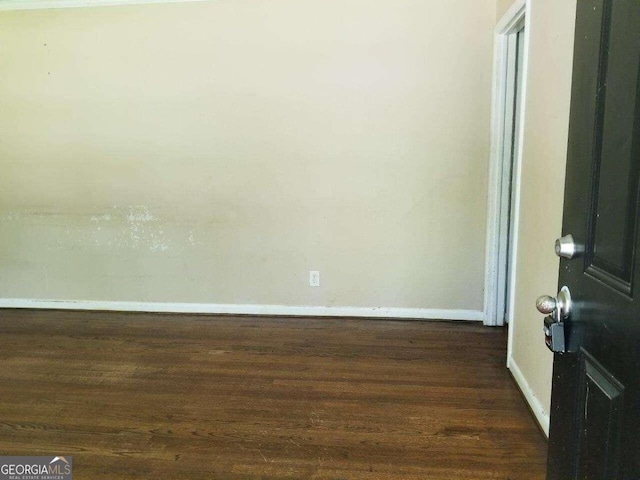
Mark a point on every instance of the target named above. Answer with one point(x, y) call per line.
point(216, 152)
point(501, 8)
point(543, 166)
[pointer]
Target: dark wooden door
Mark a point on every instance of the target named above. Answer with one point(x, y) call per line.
point(595, 411)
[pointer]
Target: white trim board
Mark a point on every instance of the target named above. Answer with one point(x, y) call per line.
point(45, 4)
point(511, 17)
point(503, 29)
point(237, 309)
point(542, 417)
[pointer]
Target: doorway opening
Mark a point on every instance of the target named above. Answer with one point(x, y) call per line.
point(510, 146)
point(506, 150)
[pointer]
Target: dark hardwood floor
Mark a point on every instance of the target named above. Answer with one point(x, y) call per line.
point(207, 397)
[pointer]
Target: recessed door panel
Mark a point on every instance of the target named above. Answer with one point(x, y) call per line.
point(615, 177)
point(601, 398)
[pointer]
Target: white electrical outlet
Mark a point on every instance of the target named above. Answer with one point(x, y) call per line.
point(314, 278)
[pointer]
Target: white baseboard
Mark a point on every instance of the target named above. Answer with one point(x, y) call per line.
point(542, 417)
point(232, 309)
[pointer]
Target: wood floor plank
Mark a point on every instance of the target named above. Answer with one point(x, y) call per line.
point(136, 396)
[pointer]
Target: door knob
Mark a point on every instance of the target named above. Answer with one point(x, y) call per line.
point(558, 307)
point(546, 304)
point(566, 247)
point(557, 310)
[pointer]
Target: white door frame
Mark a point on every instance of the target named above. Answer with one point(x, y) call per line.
point(494, 299)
